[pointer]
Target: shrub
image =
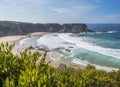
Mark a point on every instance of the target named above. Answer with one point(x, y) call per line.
point(25, 71)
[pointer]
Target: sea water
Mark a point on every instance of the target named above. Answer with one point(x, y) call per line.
point(101, 49)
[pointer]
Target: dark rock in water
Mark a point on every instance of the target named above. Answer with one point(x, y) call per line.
point(36, 47)
point(43, 47)
point(68, 50)
point(67, 43)
point(31, 47)
point(59, 48)
point(55, 35)
point(48, 50)
point(62, 66)
point(20, 28)
point(82, 59)
point(70, 46)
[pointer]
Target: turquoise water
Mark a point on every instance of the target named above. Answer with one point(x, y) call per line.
point(109, 39)
point(102, 49)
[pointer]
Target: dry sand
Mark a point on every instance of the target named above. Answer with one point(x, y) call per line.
point(11, 39)
point(17, 38)
point(55, 62)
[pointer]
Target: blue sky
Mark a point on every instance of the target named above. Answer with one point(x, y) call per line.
point(61, 11)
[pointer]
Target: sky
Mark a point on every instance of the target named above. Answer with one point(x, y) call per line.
point(61, 11)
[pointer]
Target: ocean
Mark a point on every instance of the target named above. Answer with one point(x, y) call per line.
point(100, 49)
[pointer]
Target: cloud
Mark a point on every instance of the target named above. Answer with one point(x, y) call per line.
point(74, 10)
point(110, 18)
point(20, 3)
point(59, 10)
point(113, 16)
point(75, 13)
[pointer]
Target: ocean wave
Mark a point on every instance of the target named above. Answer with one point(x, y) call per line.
point(80, 43)
point(85, 63)
point(51, 41)
point(23, 43)
point(27, 42)
point(112, 31)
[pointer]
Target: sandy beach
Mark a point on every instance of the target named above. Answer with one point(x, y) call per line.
point(55, 61)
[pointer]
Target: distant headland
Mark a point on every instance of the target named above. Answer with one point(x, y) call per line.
point(19, 28)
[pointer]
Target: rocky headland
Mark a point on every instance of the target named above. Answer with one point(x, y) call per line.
point(8, 28)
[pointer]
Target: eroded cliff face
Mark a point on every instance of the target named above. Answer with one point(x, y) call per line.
point(17, 28)
point(75, 28)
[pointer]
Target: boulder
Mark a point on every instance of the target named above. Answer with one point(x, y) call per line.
point(62, 66)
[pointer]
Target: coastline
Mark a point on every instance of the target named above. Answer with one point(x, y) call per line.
point(52, 59)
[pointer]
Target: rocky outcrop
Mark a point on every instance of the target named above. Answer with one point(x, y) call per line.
point(16, 28)
point(74, 28)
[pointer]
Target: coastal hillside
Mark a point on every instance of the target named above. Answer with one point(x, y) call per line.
point(16, 28)
point(26, 71)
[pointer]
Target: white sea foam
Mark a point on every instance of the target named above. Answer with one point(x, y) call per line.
point(51, 41)
point(100, 32)
point(112, 31)
point(79, 42)
point(85, 63)
point(80, 62)
point(23, 42)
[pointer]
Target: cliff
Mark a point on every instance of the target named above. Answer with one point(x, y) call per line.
point(17, 28)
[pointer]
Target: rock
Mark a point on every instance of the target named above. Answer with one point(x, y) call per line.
point(42, 47)
point(75, 28)
point(68, 50)
point(57, 49)
point(52, 27)
point(62, 66)
point(70, 46)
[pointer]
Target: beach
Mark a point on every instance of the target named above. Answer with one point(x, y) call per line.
point(75, 50)
point(51, 57)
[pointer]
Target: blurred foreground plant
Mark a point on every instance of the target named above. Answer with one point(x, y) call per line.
point(26, 71)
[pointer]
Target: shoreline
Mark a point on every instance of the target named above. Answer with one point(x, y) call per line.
point(54, 58)
point(16, 38)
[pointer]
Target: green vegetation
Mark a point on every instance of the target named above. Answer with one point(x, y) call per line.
point(25, 71)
